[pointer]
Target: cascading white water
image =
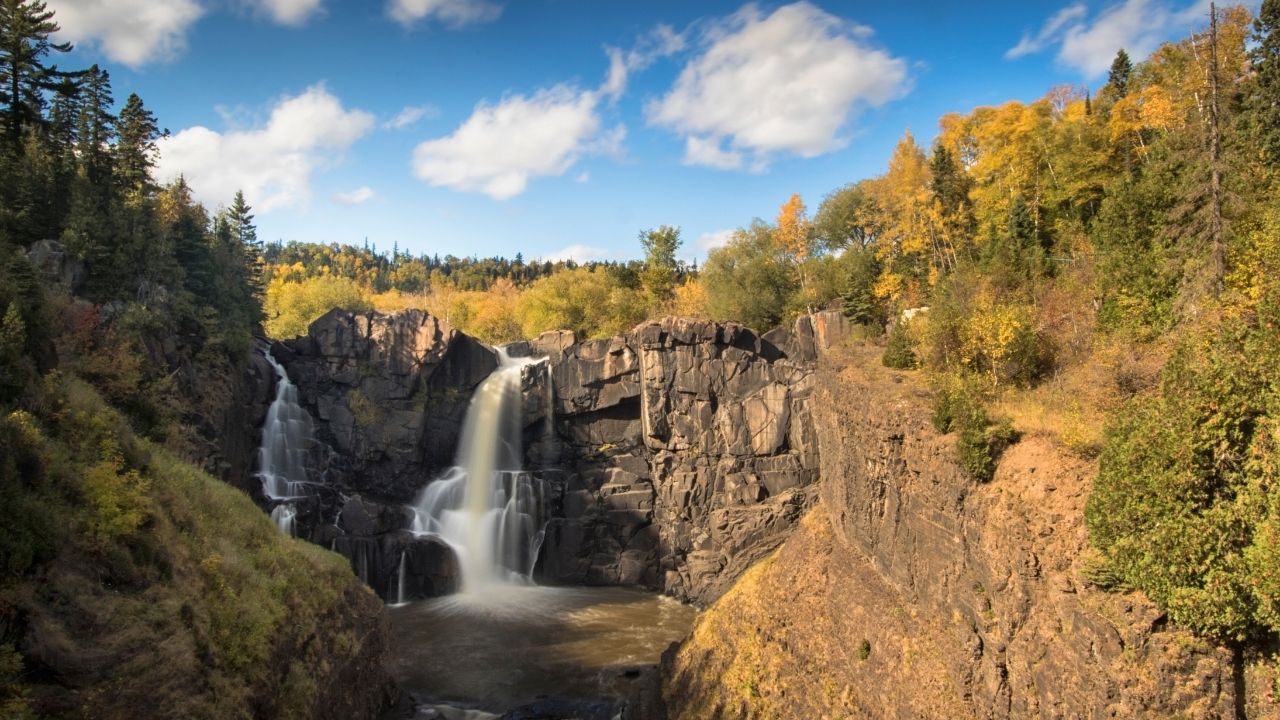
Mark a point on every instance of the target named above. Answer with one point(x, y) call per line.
point(286, 442)
point(487, 508)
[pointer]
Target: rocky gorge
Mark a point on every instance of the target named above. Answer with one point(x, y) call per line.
point(674, 455)
point(784, 481)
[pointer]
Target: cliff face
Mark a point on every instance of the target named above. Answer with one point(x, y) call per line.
point(389, 392)
point(912, 591)
point(686, 448)
point(678, 453)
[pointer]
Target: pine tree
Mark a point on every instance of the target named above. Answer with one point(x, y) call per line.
point(25, 30)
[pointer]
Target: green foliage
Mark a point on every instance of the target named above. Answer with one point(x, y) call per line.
point(864, 649)
point(660, 268)
point(588, 301)
point(841, 220)
point(900, 348)
point(1186, 506)
point(14, 704)
point(1120, 72)
point(960, 405)
point(750, 279)
point(1265, 100)
point(857, 298)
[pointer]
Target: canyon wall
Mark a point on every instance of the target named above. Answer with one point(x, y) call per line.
point(911, 590)
point(686, 447)
point(674, 455)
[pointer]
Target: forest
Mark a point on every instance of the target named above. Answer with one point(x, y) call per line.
point(1098, 266)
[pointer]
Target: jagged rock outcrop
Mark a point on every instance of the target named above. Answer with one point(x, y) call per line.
point(686, 450)
point(679, 452)
point(913, 591)
point(389, 392)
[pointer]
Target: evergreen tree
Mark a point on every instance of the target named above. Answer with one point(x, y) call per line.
point(1266, 64)
point(1121, 71)
point(96, 127)
point(25, 30)
point(135, 151)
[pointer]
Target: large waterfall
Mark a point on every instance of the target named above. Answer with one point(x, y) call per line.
point(487, 508)
point(286, 446)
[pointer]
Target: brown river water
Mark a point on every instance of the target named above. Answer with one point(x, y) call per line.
point(515, 646)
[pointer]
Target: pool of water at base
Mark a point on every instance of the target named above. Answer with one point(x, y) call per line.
point(514, 645)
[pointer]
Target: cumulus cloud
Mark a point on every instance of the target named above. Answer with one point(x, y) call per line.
point(502, 146)
point(409, 116)
point(288, 12)
point(452, 13)
point(579, 254)
point(272, 163)
point(708, 152)
point(359, 196)
point(783, 83)
point(1089, 45)
point(132, 32)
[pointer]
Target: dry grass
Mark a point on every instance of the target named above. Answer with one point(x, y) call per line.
point(1071, 406)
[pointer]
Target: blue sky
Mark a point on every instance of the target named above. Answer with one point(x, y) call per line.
point(562, 127)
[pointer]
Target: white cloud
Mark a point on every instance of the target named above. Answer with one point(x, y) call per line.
point(410, 115)
point(579, 254)
point(583, 177)
point(359, 196)
point(783, 83)
point(708, 152)
point(1089, 45)
point(273, 163)
point(288, 12)
point(132, 32)
point(1033, 44)
point(709, 241)
point(452, 13)
point(502, 146)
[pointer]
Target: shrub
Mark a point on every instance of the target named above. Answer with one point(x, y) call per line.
point(864, 649)
point(900, 349)
point(960, 405)
point(1186, 507)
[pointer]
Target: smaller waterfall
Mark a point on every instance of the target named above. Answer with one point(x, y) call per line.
point(283, 456)
point(487, 508)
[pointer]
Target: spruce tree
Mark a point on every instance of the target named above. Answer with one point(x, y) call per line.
point(25, 30)
point(1121, 70)
point(135, 151)
point(96, 128)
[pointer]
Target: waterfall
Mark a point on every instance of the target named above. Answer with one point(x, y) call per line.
point(286, 443)
point(486, 507)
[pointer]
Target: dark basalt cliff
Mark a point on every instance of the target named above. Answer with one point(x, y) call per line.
point(910, 590)
point(676, 454)
point(687, 446)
